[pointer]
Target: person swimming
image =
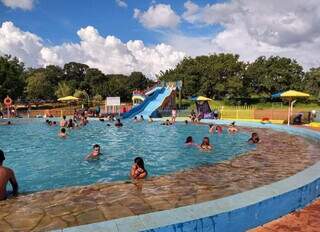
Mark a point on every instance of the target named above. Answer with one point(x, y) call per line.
point(219, 129)
point(211, 128)
point(186, 122)
point(63, 122)
point(135, 119)
point(63, 133)
point(167, 123)
point(254, 138)
point(205, 145)
point(118, 123)
point(138, 170)
point(95, 154)
point(189, 141)
point(141, 118)
point(150, 120)
point(7, 175)
point(232, 128)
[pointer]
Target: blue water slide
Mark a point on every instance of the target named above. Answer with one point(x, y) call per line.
point(139, 108)
point(156, 103)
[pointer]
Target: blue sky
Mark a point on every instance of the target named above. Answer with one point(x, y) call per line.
point(152, 36)
point(57, 21)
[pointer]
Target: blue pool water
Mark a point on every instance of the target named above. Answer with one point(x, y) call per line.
point(42, 160)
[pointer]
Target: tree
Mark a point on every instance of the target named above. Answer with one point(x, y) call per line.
point(11, 77)
point(312, 82)
point(64, 89)
point(38, 87)
point(74, 74)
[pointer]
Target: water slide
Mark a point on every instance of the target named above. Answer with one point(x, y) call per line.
point(150, 104)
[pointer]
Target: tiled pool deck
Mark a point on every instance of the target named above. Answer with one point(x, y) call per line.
point(280, 155)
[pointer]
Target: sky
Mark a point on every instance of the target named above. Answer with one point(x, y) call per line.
point(121, 36)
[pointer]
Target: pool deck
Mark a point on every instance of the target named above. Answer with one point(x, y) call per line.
point(304, 220)
point(74, 206)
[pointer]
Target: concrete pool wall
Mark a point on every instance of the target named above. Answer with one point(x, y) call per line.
point(238, 212)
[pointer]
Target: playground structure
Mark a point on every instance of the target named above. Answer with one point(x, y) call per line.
point(161, 96)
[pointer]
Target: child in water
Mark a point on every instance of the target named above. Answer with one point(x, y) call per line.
point(232, 128)
point(205, 145)
point(219, 129)
point(95, 154)
point(63, 133)
point(137, 170)
point(254, 138)
point(189, 141)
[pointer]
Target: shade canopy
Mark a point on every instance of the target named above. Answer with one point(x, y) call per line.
point(290, 94)
point(201, 98)
point(68, 98)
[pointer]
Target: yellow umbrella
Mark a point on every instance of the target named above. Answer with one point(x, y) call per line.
point(289, 96)
point(68, 98)
point(202, 98)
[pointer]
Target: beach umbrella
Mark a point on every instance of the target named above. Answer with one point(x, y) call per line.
point(68, 98)
point(201, 98)
point(290, 96)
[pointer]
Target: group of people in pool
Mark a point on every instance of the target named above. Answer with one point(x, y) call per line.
point(138, 170)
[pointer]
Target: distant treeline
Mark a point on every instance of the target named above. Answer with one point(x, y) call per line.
point(219, 76)
point(76, 79)
point(225, 77)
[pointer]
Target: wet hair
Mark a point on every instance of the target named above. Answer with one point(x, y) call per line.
point(96, 145)
point(141, 116)
point(140, 163)
point(233, 123)
point(254, 134)
point(118, 120)
point(186, 121)
point(2, 158)
point(189, 139)
point(63, 130)
point(64, 117)
point(135, 117)
point(9, 122)
point(211, 125)
point(203, 141)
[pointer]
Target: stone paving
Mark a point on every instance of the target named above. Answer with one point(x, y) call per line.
point(280, 155)
point(305, 220)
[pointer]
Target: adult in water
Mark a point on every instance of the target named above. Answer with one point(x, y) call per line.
point(205, 145)
point(6, 175)
point(118, 123)
point(138, 170)
point(232, 128)
point(95, 153)
point(63, 122)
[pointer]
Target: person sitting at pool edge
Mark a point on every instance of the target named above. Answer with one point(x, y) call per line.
point(63, 133)
point(205, 145)
point(118, 123)
point(254, 138)
point(96, 152)
point(7, 175)
point(137, 170)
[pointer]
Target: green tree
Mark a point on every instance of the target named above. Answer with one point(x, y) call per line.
point(64, 89)
point(38, 87)
point(74, 74)
point(312, 82)
point(11, 77)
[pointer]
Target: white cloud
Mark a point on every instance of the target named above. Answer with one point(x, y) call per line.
point(23, 4)
point(109, 54)
point(121, 3)
point(158, 16)
point(255, 28)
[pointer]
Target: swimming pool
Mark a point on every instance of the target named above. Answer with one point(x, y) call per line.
point(42, 160)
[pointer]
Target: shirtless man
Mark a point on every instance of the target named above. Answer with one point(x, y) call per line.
point(6, 175)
